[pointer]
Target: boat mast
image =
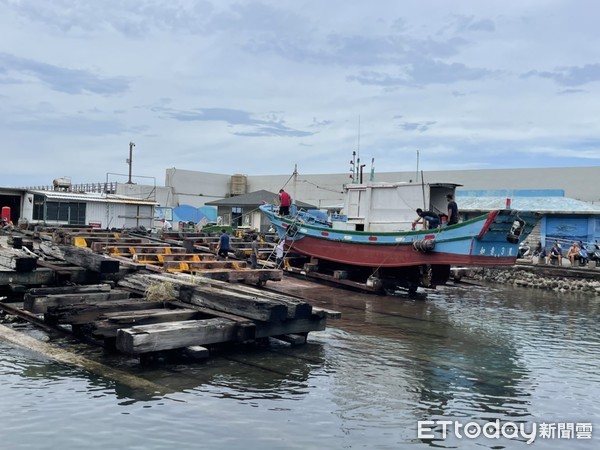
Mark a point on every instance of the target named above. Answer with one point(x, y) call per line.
point(417, 165)
point(295, 183)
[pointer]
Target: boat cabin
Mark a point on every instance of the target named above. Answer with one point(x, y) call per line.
point(382, 207)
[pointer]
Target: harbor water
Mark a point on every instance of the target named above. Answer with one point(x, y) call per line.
point(456, 370)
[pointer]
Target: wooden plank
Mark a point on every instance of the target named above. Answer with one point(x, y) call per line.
point(108, 323)
point(17, 260)
point(249, 306)
point(251, 276)
point(66, 271)
point(167, 336)
point(327, 313)
point(40, 304)
point(83, 313)
point(197, 266)
point(149, 247)
point(234, 303)
point(84, 257)
point(196, 352)
point(59, 354)
point(294, 339)
point(37, 277)
point(69, 289)
point(295, 326)
point(297, 308)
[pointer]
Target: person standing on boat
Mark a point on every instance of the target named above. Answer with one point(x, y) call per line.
point(223, 250)
point(284, 203)
point(429, 219)
point(452, 210)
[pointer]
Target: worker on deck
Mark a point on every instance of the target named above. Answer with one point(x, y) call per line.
point(429, 219)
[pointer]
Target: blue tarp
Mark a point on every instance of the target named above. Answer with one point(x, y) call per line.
point(187, 213)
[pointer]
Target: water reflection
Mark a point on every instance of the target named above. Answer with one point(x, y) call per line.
point(466, 353)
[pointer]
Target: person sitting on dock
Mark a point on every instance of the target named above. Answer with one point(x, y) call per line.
point(429, 219)
point(573, 253)
point(555, 254)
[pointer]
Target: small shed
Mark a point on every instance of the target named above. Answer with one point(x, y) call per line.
point(242, 210)
point(563, 219)
point(86, 209)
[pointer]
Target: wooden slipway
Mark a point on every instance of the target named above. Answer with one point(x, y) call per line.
point(63, 356)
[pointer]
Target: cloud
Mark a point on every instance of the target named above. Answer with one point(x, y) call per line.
point(416, 126)
point(16, 70)
point(422, 72)
point(570, 76)
point(270, 126)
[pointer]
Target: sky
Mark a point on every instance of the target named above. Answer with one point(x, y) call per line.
point(261, 87)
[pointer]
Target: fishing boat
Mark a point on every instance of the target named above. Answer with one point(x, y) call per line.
point(373, 239)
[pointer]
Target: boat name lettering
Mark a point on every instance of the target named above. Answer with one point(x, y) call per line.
point(496, 251)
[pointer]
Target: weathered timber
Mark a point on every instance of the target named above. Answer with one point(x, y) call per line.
point(84, 257)
point(294, 339)
point(69, 289)
point(235, 303)
point(296, 326)
point(89, 241)
point(194, 257)
point(40, 304)
point(37, 277)
point(297, 308)
point(17, 260)
point(108, 323)
point(167, 336)
point(212, 312)
point(196, 352)
point(251, 276)
point(66, 271)
point(327, 313)
point(231, 302)
point(149, 247)
point(82, 313)
point(199, 266)
point(58, 354)
point(51, 250)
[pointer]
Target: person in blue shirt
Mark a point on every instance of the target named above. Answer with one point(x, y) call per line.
point(223, 250)
point(555, 254)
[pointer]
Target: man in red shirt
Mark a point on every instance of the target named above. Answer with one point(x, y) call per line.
point(284, 203)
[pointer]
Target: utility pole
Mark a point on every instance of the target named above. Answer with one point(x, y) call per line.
point(130, 160)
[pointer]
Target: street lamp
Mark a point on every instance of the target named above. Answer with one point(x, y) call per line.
point(130, 160)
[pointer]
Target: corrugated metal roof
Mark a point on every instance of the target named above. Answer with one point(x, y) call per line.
point(92, 197)
point(550, 205)
point(252, 199)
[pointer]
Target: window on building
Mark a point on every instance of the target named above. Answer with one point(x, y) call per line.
point(38, 207)
point(72, 213)
point(236, 216)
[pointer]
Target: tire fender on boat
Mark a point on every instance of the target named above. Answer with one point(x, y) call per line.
point(424, 245)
